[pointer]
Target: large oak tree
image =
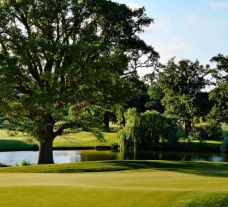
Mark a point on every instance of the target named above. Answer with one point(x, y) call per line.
point(61, 59)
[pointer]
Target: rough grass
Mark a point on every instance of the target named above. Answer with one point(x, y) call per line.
point(151, 183)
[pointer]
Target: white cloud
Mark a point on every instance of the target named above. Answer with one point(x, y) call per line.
point(134, 5)
point(192, 18)
point(160, 23)
point(219, 5)
point(163, 22)
point(168, 51)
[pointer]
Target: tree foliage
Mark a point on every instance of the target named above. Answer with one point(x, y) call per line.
point(184, 77)
point(146, 131)
point(62, 59)
point(207, 131)
point(221, 71)
point(181, 84)
point(219, 95)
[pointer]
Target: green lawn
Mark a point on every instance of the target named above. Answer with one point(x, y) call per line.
point(82, 139)
point(141, 184)
point(85, 139)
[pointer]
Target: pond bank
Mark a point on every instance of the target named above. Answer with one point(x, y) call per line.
point(207, 168)
point(14, 158)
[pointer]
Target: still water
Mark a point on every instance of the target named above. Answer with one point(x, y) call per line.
point(69, 156)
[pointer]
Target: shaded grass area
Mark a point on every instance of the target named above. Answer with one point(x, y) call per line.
point(67, 168)
point(186, 145)
point(210, 200)
point(201, 168)
point(14, 144)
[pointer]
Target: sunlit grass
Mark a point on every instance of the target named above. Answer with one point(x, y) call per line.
point(158, 184)
point(85, 139)
point(21, 141)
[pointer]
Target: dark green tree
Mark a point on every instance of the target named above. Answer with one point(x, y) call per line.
point(203, 105)
point(156, 95)
point(221, 72)
point(154, 92)
point(62, 61)
point(181, 84)
point(219, 95)
point(136, 97)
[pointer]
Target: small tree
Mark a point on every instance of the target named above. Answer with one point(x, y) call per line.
point(60, 60)
point(146, 131)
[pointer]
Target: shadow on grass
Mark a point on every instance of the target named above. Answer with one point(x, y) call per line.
point(16, 145)
point(200, 168)
point(214, 200)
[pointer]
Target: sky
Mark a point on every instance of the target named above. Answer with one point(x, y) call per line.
point(186, 29)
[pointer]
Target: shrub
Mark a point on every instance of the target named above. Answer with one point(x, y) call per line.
point(207, 132)
point(3, 165)
point(114, 147)
point(24, 163)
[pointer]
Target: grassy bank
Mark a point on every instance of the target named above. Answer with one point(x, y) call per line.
point(160, 184)
point(207, 168)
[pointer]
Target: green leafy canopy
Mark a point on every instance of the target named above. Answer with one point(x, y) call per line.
point(55, 55)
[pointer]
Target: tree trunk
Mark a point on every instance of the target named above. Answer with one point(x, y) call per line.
point(45, 151)
point(106, 122)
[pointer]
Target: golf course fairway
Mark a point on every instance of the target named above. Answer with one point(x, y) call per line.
point(137, 187)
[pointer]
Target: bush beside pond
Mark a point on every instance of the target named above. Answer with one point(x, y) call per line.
point(207, 132)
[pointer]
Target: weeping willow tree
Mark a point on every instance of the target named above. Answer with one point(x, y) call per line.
point(146, 131)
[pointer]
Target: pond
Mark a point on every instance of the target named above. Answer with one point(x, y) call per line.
point(70, 156)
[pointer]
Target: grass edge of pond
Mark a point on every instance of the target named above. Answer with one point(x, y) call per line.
point(203, 168)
